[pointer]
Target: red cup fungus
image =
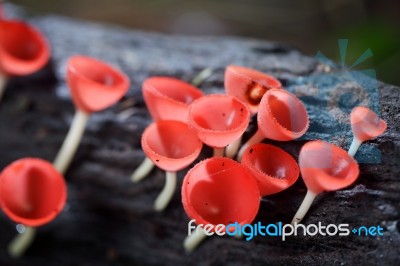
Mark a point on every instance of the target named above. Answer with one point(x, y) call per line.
point(219, 190)
point(94, 86)
point(218, 120)
point(281, 116)
point(169, 98)
point(274, 169)
point(23, 50)
point(33, 193)
point(249, 85)
point(172, 146)
point(324, 167)
point(365, 125)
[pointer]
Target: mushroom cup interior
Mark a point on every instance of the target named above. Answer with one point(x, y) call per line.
point(95, 71)
point(172, 139)
point(219, 113)
point(272, 161)
point(257, 76)
point(366, 124)
point(175, 89)
point(32, 194)
point(288, 111)
point(327, 165)
point(222, 191)
point(20, 41)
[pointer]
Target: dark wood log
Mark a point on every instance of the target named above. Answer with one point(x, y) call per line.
point(110, 221)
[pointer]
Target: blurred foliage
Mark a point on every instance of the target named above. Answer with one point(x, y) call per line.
point(378, 36)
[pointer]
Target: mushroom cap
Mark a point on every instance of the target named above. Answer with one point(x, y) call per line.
point(171, 144)
point(32, 191)
point(326, 167)
point(366, 124)
point(23, 49)
point(218, 119)
point(95, 85)
point(169, 98)
point(241, 81)
point(282, 116)
point(274, 169)
point(220, 190)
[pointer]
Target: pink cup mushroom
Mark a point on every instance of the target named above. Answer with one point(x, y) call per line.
point(219, 120)
point(249, 85)
point(169, 98)
point(281, 116)
point(172, 146)
point(216, 191)
point(365, 125)
point(32, 193)
point(274, 169)
point(94, 86)
point(324, 167)
point(23, 50)
point(166, 98)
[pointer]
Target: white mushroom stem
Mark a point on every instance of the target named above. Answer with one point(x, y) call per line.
point(21, 242)
point(203, 75)
point(166, 194)
point(142, 170)
point(355, 144)
point(219, 152)
point(194, 239)
point(256, 138)
point(304, 207)
point(3, 83)
point(233, 148)
point(71, 142)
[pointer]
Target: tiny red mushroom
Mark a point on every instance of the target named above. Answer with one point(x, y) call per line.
point(274, 169)
point(172, 146)
point(94, 86)
point(324, 167)
point(169, 98)
point(32, 193)
point(217, 191)
point(166, 98)
point(281, 116)
point(249, 85)
point(23, 50)
point(365, 125)
point(219, 120)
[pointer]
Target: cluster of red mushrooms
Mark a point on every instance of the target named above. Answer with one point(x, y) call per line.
point(218, 190)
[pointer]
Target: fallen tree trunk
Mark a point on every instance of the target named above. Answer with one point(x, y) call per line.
point(110, 221)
